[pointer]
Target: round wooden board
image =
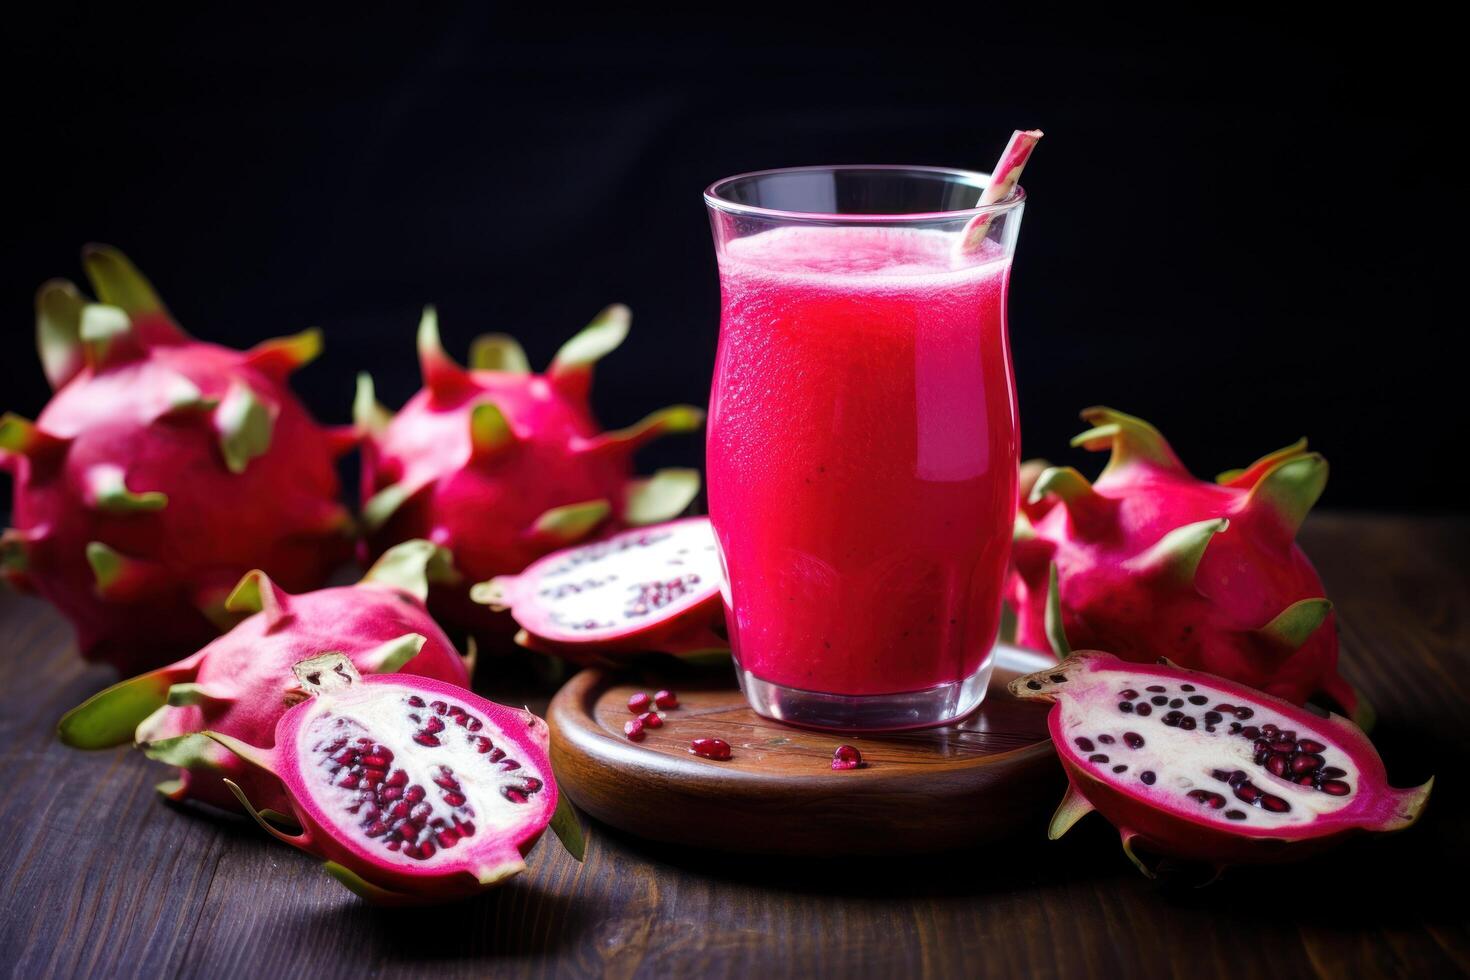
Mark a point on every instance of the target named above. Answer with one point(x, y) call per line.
point(931, 790)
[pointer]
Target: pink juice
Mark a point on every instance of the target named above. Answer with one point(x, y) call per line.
point(862, 457)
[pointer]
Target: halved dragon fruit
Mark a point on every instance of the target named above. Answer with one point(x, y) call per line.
point(651, 589)
point(1201, 769)
point(411, 790)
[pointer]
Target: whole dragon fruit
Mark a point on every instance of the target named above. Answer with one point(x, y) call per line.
point(161, 471)
point(242, 683)
point(1149, 561)
point(502, 466)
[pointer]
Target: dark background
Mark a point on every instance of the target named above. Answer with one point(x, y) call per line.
point(1241, 230)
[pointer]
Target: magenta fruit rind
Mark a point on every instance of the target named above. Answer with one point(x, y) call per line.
point(162, 469)
point(649, 589)
point(1198, 768)
point(241, 683)
point(1147, 557)
point(409, 789)
point(502, 466)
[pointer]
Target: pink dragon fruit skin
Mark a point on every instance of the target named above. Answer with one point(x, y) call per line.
point(1149, 562)
point(242, 683)
point(502, 466)
point(161, 471)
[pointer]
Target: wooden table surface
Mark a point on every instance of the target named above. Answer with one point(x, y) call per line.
point(99, 878)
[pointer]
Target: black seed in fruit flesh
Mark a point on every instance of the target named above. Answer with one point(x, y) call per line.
point(1148, 777)
point(1274, 803)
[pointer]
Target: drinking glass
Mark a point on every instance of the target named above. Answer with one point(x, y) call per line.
point(862, 441)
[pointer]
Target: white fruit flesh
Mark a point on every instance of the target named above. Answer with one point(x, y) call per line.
point(451, 781)
point(1182, 760)
point(619, 585)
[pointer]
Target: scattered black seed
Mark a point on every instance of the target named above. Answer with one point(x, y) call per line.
point(1106, 739)
point(1198, 699)
point(1084, 743)
point(1125, 706)
point(1130, 694)
point(1187, 724)
point(1097, 757)
point(1159, 700)
point(1213, 718)
point(1186, 687)
point(1120, 769)
point(1220, 774)
point(1177, 703)
point(1250, 731)
point(1210, 729)
point(1238, 777)
point(1144, 710)
point(1332, 772)
point(1156, 688)
point(1133, 740)
point(1234, 814)
point(1244, 713)
point(1234, 727)
point(1172, 720)
point(1148, 777)
point(1229, 709)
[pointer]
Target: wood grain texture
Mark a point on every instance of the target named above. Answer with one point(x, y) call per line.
point(100, 878)
point(938, 789)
